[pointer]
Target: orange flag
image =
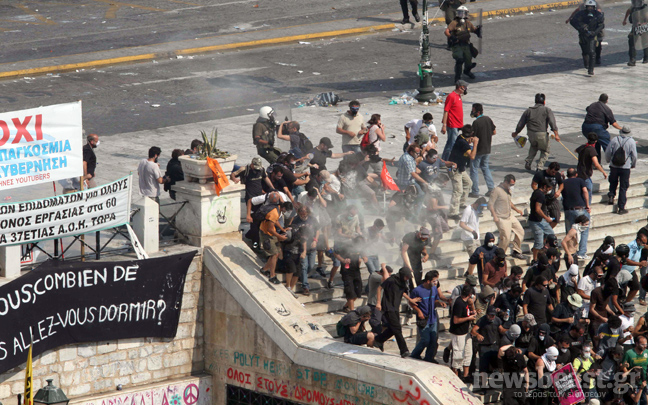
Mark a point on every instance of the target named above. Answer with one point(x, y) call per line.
point(220, 179)
point(387, 180)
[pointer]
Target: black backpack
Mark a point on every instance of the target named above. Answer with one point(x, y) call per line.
point(304, 143)
point(265, 208)
point(619, 157)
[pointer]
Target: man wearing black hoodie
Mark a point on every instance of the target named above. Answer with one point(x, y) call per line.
point(394, 290)
point(482, 255)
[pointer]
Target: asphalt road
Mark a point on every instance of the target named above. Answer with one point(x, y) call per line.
point(176, 91)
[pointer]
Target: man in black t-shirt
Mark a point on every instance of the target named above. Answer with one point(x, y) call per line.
point(576, 202)
point(483, 129)
point(587, 161)
point(540, 223)
point(553, 176)
point(90, 160)
point(537, 301)
point(254, 177)
point(487, 332)
point(512, 364)
point(275, 174)
point(463, 312)
point(461, 154)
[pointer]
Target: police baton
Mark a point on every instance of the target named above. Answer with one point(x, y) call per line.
point(563, 145)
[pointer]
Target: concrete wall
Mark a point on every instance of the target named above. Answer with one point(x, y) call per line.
point(95, 368)
point(257, 336)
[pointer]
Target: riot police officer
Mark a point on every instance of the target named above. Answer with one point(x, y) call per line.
point(589, 23)
point(458, 32)
point(449, 7)
point(638, 14)
point(263, 135)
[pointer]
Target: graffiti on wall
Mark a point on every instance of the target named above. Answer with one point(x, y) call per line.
point(194, 392)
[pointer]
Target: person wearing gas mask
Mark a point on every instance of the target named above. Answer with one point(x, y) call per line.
point(538, 119)
point(509, 303)
point(511, 335)
point(487, 332)
point(589, 23)
point(637, 14)
point(352, 128)
point(485, 299)
point(539, 344)
point(482, 255)
point(495, 270)
point(263, 134)
point(544, 366)
point(568, 282)
point(458, 32)
point(528, 328)
point(449, 7)
point(500, 206)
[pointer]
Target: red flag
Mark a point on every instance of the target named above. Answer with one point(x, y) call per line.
point(387, 180)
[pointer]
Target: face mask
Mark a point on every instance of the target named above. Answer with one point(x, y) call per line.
point(564, 350)
point(156, 160)
point(514, 336)
point(490, 244)
point(349, 217)
point(511, 188)
point(506, 318)
point(97, 144)
point(354, 111)
point(427, 123)
point(541, 337)
point(472, 114)
point(552, 358)
point(501, 264)
point(587, 355)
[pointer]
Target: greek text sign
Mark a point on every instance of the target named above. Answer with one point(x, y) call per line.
point(62, 303)
point(71, 214)
point(567, 386)
point(40, 145)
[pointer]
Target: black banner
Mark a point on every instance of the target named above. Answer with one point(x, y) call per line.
point(62, 303)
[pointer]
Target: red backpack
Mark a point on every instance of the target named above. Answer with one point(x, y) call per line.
point(365, 139)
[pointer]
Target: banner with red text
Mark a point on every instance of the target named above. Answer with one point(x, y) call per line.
point(40, 145)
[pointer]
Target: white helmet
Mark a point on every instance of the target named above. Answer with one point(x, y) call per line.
point(462, 12)
point(590, 3)
point(266, 113)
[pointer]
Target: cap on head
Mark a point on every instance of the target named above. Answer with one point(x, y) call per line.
point(405, 272)
point(472, 280)
point(424, 232)
point(461, 83)
point(515, 330)
point(256, 163)
point(487, 291)
point(530, 319)
point(500, 253)
point(629, 307)
point(363, 310)
point(575, 300)
point(326, 142)
point(491, 310)
point(625, 130)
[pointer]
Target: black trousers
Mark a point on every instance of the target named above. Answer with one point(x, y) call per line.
point(632, 51)
point(617, 176)
point(392, 320)
point(588, 48)
point(413, 3)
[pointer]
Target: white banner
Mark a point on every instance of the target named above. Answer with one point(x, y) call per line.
point(40, 145)
point(71, 214)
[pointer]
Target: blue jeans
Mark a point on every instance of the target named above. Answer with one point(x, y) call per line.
point(452, 137)
point(481, 163)
point(429, 340)
point(373, 264)
point(589, 185)
point(307, 265)
point(540, 231)
point(297, 152)
point(570, 216)
point(353, 148)
point(297, 190)
point(603, 137)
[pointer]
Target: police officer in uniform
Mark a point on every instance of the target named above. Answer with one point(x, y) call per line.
point(599, 46)
point(263, 135)
point(449, 7)
point(637, 6)
point(589, 23)
point(458, 32)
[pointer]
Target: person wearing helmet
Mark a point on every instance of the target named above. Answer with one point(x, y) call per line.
point(638, 14)
point(599, 47)
point(449, 7)
point(458, 32)
point(263, 135)
point(589, 23)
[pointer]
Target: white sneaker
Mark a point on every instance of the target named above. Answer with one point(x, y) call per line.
point(583, 257)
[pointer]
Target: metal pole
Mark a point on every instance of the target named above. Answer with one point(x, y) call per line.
point(426, 89)
point(98, 240)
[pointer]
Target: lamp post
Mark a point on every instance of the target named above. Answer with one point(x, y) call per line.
point(50, 395)
point(426, 89)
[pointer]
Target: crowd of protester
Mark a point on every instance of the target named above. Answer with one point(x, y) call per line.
point(522, 322)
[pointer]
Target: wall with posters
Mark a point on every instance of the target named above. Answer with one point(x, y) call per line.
point(89, 369)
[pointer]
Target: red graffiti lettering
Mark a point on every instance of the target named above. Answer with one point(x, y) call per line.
point(21, 130)
point(259, 381)
point(238, 376)
point(411, 396)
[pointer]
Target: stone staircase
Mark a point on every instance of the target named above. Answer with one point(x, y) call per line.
point(326, 304)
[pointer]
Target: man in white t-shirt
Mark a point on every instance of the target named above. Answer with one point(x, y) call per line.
point(470, 225)
point(413, 127)
point(586, 285)
point(150, 176)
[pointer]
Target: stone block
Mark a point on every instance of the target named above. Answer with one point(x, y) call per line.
point(117, 357)
point(68, 379)
point(106, 347)
point(161, 374)
point(188, 316)
point(140, 365)
point(103, 385)
point(126, 368)
point(108, 370)
point(55, 368)
point(189, 301)
point(68, 366)
point(154, 362)
point(88, 350)
point(199, 330)
point(145, 351)
point(17, 388)
point(127, 344)
point(67, 353)
point(140, 378)
point(188, 344)
point(47, 359)
point(177, 359)
point(78, 390)
point(196, 287)
point(185, 330)
point(122, 381)
point(5, 391)
point(133, 354)
point(98, 360)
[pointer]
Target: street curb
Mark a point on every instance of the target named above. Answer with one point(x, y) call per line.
point(265, 42)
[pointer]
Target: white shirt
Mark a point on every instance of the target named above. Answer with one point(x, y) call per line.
point(470, 218)
point(414, 127)
point(335, 184)
point(149, 173)
point(627, 322)
point(586, 285)
point(373, 137)
point(260, 199)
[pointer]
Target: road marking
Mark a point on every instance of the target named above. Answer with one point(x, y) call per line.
point(184, 2)
point(251, 44)
point(194, 75)
point(34, 14)
point(116, 5)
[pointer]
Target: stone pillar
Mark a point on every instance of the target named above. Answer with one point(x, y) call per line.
point(206, 214)
point(146, 224)
point(10, 261)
